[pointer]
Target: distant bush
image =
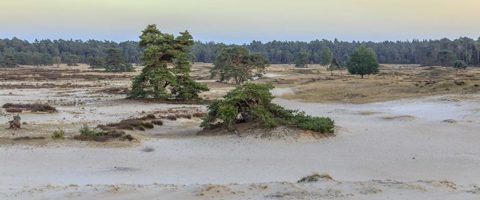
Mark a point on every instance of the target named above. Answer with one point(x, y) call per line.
point(86, 130)
point(253, 103)
point(58, 134)
point(460, 64)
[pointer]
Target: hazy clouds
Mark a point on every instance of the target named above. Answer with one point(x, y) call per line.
point(242, 20)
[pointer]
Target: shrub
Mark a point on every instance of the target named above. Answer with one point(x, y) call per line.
point(460, 64)
point(253, 103)
point(58, 134)
point(86, 130)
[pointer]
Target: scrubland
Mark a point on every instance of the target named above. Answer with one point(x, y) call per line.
point(409, 132)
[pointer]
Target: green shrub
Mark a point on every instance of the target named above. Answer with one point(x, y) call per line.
point(58, 134)
point(86, 130)
point(460, 64)
point(253, 103)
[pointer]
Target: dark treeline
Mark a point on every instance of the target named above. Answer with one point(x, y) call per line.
point(49, 52)
point(425, 52)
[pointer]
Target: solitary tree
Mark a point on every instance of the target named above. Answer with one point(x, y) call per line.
point(238, 64)
point(363, 62)
point(115, 62)
point(327, 56)
point(166, 74)
point(302, 59)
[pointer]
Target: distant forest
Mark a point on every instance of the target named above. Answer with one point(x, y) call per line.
point(425, 52)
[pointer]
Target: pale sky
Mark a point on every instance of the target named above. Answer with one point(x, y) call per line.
point(239, 21)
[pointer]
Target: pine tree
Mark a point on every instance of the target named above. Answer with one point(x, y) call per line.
point(115, 62)
point(166, 74)
point(238, 64)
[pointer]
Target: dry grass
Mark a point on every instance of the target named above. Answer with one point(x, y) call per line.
point(314, 83)
point(391, 83)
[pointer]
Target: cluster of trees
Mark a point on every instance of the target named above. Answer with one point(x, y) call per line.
point(71, 52)
point(426, 52)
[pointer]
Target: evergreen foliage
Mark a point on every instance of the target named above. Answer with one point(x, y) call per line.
point(302, 59)
point(9, 61)
point(252, 102)
point(363, 62)
point(459, 64)
point(445, 58)
point(424, 52)
point(327, 56)
point(166, 74)
point(237, 64)
point(115, 62)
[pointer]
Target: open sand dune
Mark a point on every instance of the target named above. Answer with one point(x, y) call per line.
point(378, 153)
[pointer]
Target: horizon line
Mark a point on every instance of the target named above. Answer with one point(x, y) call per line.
point(245, 43)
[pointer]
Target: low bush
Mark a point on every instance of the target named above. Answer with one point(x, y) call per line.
point(36, 107)
point(91, 134)
point(460, 64)
point(253, 103)
point(87, 131)
point(58, 134)
point(314, 178)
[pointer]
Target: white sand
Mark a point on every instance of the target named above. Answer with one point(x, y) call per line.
point(403, 144)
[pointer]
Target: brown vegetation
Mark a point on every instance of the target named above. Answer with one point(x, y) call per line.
point(314, 178)
point(36, 107)
point(140, 124)
point(393, 82)
point(104, 136)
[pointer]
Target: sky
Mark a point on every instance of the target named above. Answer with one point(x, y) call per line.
point(241, 21)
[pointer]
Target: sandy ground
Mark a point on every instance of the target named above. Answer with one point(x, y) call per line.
point(404, 145)
point(416, 148)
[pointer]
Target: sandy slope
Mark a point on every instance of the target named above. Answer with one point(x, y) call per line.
point(405, 145)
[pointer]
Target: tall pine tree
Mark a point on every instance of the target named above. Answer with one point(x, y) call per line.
point(166, 74)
